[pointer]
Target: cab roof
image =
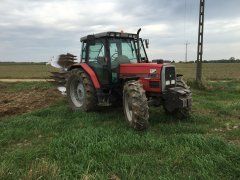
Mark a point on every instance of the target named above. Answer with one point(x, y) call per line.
point(109, 34)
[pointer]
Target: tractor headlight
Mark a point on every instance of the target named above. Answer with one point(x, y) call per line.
point(173, 81)
point(167, 83)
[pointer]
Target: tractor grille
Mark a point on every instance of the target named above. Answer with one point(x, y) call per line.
point(170, 77)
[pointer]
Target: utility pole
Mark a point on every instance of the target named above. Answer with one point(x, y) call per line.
point(186, 53)
point(200, 41)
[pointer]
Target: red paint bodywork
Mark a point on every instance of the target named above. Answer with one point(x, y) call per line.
point(90, 72)
point(142, 70)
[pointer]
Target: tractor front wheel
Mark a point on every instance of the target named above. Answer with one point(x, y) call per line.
point(135, 105)
point(81, 94)
point(180, 113)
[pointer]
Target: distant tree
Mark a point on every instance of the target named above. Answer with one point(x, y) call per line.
point(232, 58)
point(173, 61)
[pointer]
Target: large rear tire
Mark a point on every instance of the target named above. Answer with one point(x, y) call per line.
point(81, 94)
point(135, 105)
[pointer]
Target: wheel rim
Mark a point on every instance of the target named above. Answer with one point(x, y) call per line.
point(77, 92)
point(128, 107)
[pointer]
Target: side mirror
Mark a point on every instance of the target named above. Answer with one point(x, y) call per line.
point(91, 39)
point(146, 42)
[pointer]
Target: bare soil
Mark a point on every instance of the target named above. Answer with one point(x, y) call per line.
point(26, 80)
point(14, 103)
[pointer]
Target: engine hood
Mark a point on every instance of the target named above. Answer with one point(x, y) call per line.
point(141, 68)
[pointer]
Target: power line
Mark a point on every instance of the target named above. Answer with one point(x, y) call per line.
point(185, 15)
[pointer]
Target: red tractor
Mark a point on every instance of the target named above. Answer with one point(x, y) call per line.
point(115, 68)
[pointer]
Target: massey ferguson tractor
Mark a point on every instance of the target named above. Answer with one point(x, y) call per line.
point(115, 68)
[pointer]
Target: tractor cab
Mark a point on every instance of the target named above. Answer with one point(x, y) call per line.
point(105, 52)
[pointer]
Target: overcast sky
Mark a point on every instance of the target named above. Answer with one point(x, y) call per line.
point(35, 30)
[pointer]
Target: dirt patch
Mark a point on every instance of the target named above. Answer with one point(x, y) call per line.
point(26, 80)
point(23, 144)
point(236, 142)
point(2, 86)
point(13, 103)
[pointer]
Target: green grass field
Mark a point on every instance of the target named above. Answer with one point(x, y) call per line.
point(25, 71)
point(225, 71)
point(54, 143)
point(211, 71)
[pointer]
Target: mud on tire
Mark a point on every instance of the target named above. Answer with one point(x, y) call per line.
point(81, 94)
point(135, 105)
point(184, 112)
point(179, 113)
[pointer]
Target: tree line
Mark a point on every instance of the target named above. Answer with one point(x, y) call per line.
point(230, 60)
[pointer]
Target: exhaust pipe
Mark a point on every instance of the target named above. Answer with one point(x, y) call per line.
point(138, 45)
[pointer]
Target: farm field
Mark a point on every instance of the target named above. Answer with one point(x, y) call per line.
point(25, 71)
point(45, 140)
point(211, 71)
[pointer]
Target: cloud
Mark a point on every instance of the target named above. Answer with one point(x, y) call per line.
point(37, 30)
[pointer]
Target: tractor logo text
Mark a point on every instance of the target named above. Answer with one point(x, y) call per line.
point(153, 71)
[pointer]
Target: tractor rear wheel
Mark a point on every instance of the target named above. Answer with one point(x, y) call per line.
point(81, 93)
point(135, 105)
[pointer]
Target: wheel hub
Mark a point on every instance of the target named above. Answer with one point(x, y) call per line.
point(77, 92)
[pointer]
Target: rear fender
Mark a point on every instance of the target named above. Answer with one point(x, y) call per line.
point(89, 71)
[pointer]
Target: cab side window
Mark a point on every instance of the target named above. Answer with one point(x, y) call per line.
point(83, 55)
point(142, 52)
point(96, 51)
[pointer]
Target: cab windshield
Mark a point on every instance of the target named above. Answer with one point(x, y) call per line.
point(122, 51)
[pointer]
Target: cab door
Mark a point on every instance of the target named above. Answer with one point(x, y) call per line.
point(97, 60)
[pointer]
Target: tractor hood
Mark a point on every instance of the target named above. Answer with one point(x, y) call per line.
point(140, 69)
